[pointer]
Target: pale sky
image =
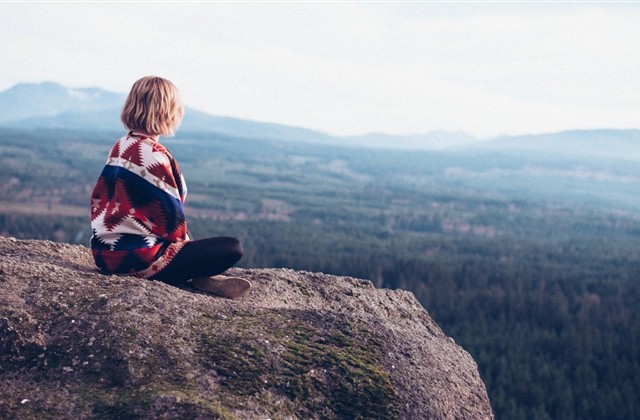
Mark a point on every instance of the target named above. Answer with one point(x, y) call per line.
point(349, 68)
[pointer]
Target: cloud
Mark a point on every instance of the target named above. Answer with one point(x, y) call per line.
point(348, 68)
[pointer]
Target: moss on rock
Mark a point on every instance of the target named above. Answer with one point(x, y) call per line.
point(76, 343)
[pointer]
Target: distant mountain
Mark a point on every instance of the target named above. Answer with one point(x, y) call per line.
point(26, 103)
point(435, 140)
point(199, 121)
point(51, 105)
point(601, 144)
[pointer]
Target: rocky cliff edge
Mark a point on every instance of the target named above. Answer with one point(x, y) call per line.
point(76, 343)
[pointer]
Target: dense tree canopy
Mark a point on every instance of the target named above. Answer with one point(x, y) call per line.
point(538, 278)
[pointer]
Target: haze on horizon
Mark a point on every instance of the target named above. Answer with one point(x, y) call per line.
point(349, 68)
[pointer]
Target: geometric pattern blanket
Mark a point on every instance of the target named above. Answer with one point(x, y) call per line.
point(137, 215)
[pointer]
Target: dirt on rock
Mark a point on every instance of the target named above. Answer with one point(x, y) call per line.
point(75, 343)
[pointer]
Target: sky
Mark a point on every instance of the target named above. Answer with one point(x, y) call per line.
point(348, 68)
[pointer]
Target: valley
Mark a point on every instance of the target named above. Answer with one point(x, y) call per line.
point(528, 259)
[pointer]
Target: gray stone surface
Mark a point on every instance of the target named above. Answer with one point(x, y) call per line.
point(76, 343)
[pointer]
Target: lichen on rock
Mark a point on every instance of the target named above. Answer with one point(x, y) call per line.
point(77, 343)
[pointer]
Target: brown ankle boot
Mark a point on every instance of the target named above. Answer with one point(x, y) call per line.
point(229, 287)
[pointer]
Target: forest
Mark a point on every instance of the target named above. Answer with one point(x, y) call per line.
point(529, 261)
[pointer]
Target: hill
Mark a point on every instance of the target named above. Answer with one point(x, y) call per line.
point(50, 105)
point(75, 343)
point(603, 145)
point(26, 103)
point(524, 249)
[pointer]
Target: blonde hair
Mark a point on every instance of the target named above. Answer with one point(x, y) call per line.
point(153, 106)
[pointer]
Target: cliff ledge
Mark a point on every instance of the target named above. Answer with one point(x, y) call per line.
point(76, 343)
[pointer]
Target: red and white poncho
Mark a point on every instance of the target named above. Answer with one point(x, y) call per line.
point(137, 217)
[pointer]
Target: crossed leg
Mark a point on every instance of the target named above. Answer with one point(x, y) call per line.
point(201, 258)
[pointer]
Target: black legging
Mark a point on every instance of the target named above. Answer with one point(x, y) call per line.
point(202, 257)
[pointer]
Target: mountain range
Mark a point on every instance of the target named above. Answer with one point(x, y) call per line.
point(51, 105)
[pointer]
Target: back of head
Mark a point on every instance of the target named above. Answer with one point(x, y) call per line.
point(153, 107)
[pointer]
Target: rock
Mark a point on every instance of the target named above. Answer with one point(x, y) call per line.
point(76, 343)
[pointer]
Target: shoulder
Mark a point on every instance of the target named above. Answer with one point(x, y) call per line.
point(156, 147)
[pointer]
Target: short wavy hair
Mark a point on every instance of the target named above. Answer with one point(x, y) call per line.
point(153, 106)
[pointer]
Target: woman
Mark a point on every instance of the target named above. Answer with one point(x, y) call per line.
point(137, 215)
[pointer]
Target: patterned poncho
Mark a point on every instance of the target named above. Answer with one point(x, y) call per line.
point(137, 217)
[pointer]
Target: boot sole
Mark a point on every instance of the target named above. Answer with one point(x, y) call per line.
point(228, 287)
